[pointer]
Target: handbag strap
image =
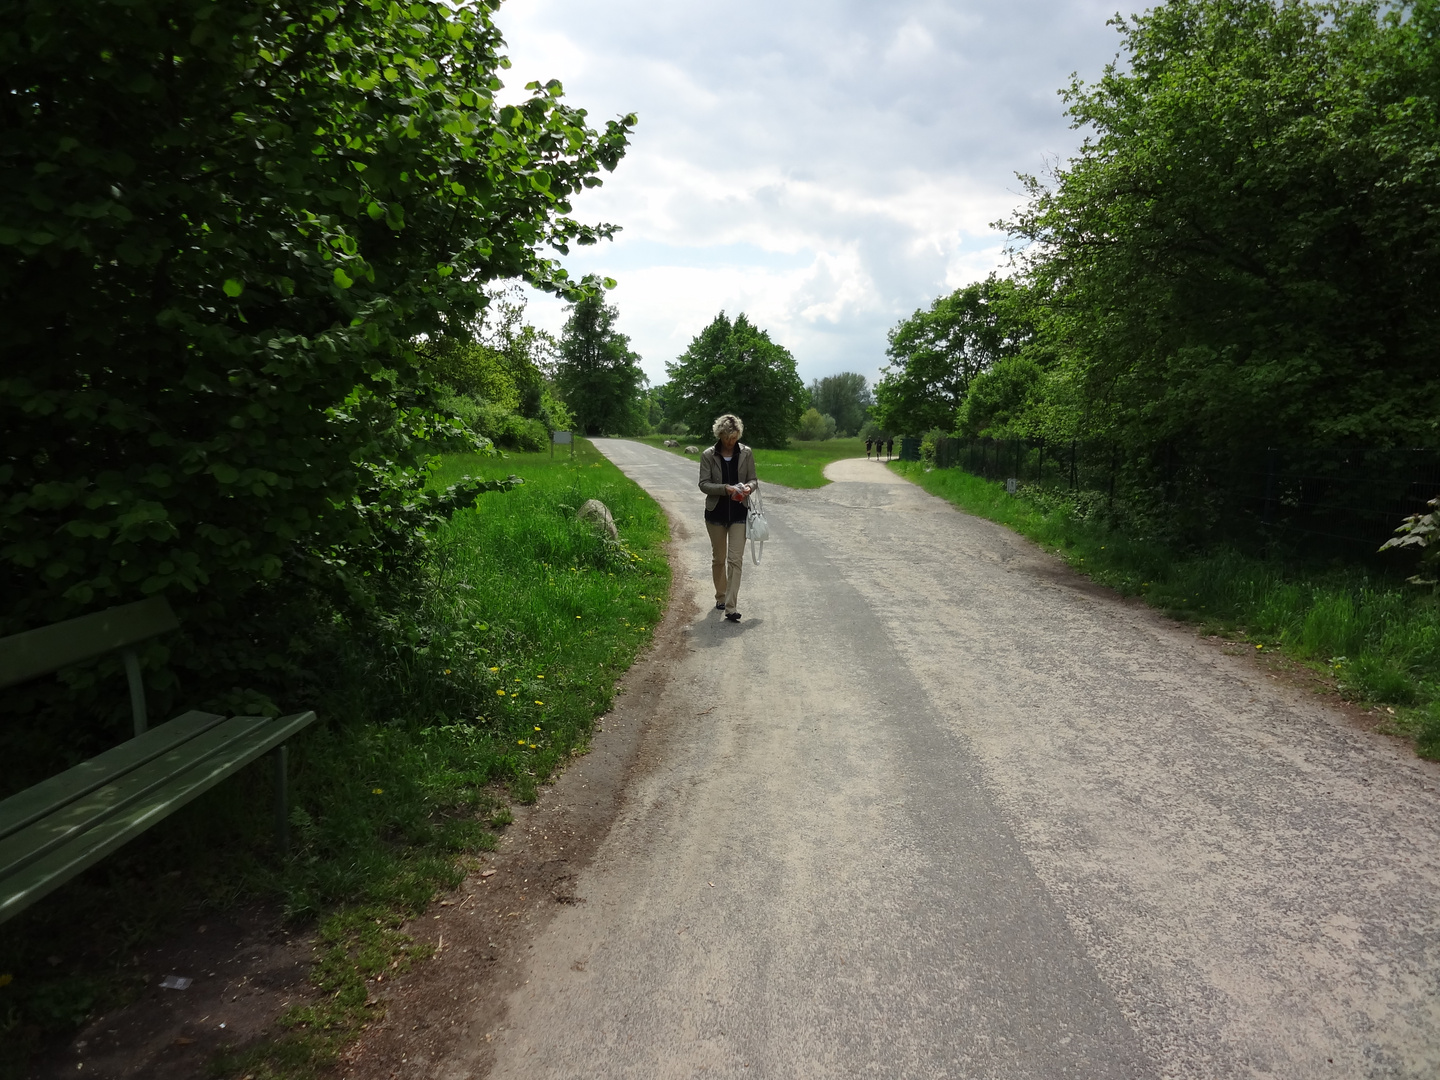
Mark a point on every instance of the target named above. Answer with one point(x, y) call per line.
point(756, 546)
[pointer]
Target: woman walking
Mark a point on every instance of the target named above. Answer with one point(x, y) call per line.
point(727, 477)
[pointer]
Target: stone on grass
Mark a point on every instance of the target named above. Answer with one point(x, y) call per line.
point(598, 512)
point(692, 449)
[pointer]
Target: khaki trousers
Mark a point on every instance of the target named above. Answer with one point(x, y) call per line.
point(727, 559)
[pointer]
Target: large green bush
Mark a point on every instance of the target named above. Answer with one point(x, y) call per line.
point(221, 226)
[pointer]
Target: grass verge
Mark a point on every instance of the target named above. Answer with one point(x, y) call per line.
point(799, 465)
point(538, 613)
point(1378, 638)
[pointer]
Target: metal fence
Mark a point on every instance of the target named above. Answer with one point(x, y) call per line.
point(1343, 502)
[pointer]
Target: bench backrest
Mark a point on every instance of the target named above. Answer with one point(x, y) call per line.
point(50, 648)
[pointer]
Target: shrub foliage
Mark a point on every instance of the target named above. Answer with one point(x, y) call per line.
point(222, 227)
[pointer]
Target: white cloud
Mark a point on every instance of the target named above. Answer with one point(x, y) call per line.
point(826, 167)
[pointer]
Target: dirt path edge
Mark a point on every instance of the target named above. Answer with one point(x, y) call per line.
point(484, 929)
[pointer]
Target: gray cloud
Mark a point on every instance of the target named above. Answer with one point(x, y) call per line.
point(826, 167)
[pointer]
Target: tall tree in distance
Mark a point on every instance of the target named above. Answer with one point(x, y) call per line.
point(736, 368)
point(937, 352)
point(846, 397)
point(598, 375)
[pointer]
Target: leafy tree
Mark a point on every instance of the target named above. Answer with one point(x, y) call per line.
point(598, 375)
point(1000, 403)
point(814, 427)
point(494, 367)
point(846, 397)
point(222, 227)
point(1245, 251)
point(736, 368)
point(935, 353)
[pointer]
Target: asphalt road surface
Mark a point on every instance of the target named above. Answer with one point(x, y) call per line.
point(937, 808)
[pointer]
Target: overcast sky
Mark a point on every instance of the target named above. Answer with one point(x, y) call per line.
point(825, 166)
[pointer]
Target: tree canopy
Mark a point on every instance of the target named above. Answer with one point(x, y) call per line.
point(598, 374)
point(734, 367)
point(936, 353)
point(1244, 252)
point(225, 227)
point(846, 397)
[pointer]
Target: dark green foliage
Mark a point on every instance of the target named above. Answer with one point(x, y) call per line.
point(736, 368)
point(846, 397)
point(1000, 400)
point(381, 810)
point(1245, 252)
point(221, 225)
point(935, 354)
point(598, 374)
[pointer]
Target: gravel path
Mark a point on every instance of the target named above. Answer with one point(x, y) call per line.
point(938, 808)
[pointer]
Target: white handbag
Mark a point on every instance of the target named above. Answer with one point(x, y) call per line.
point(757, 529)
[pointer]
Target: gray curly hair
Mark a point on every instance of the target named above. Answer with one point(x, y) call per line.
point(728, 424)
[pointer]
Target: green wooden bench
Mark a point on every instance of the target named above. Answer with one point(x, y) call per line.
point(54, 830)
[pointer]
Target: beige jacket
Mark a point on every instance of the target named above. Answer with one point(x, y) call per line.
point(712, 479)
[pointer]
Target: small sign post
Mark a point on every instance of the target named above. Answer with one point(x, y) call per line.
point(1011, 485)
point(561, 438)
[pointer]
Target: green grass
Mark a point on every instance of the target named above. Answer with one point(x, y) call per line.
point(530, 617)
point(1379, 638)
point(800, 465)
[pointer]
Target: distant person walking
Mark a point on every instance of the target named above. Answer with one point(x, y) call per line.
point(868, 443)
point(889, 447)
point(727, 477)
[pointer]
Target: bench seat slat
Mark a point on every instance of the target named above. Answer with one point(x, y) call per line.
point(48, 796)
point(38, 877)
point(80, 815)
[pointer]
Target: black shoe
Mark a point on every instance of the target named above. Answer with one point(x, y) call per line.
point(719, 605)
point(732, 616)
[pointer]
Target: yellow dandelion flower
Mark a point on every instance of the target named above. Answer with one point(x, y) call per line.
point(539, 703)
point(519, 742)
point(494, 669)
point(500, 692)
point(537, 727)
point(377, 791)
point(447, 671)
point(539, 676)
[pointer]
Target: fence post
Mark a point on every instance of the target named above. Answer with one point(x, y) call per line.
point(1269, 485)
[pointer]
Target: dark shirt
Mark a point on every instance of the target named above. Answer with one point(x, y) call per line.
point(727, 511)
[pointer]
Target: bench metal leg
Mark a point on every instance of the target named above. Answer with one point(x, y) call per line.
point(137, 692)
point(282, 798)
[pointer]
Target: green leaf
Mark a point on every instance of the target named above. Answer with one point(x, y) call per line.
point(234, 287)
point(343, 279)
